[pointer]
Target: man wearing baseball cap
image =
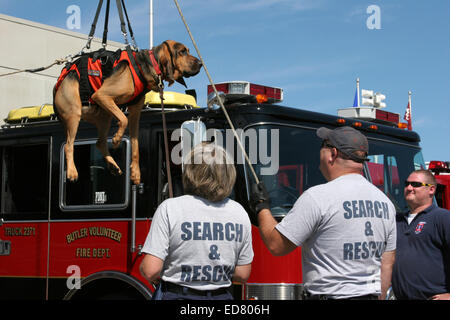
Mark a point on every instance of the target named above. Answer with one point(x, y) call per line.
point(346, 227)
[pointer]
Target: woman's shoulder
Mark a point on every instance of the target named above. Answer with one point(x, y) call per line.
point(237, 209)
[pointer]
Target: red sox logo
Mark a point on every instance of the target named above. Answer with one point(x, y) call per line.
point(419, 227)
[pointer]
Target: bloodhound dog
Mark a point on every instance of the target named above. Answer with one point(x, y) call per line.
point(170, 59)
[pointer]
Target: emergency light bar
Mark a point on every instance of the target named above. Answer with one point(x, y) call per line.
point(371, 114)
point(249, 92)
point(438, 166)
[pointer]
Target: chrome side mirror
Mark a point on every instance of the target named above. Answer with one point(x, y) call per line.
point(213, 100)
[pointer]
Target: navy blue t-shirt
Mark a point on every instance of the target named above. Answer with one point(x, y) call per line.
point(422, 262)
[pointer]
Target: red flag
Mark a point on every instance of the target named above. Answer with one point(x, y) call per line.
point(407, 116)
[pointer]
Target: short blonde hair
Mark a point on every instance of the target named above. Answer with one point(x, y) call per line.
point(209, 172)
point(429, 177)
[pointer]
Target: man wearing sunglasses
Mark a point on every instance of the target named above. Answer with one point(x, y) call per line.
point(346, 227)
point(422, 264)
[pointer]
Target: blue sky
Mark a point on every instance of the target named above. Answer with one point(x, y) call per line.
point(313, 49)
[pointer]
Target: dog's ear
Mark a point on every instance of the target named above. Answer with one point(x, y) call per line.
point(163, 56)
point(177, 47)
point(181, 80)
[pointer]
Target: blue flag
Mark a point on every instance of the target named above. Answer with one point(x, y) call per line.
point(355, 101)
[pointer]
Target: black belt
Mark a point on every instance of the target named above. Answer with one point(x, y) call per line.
point(178, 289)
point(308, 296)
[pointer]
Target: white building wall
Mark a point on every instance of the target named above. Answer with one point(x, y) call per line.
point(29, 45)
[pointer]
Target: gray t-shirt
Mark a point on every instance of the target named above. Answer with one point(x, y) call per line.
point(343, 227)
point(200, 241)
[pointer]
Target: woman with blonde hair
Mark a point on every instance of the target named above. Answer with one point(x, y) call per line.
point(200, 242)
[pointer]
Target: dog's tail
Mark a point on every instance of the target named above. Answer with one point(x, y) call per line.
point(69, 72)
point(55, 109)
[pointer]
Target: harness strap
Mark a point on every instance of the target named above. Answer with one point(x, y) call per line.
point(135, 65)
point(105, 29)
point(154, 62)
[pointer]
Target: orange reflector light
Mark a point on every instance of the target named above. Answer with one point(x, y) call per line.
point(402, 125)
point(373, 127)
point(340, 121)
point(357, 124)
point(261, 98)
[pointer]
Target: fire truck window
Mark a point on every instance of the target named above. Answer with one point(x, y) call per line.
point(176, 167)
point(419, 162)
point(175, 170)
point(376, 170)
point(286, 159)
point(439, 196)
point(25, 186)
point(97, 186)
point(390, 165)
point(383, 171)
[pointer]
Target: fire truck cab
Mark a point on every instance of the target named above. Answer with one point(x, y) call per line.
point(65, 240)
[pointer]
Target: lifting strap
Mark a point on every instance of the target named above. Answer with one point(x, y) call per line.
point(121, 4)
point(105, 28)
point(121, 9)
point(94, 24)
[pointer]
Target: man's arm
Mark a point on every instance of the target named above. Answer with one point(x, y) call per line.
point(277, 244)
point(242, 273)
point(387, 263)
point(442, 296)
point(151, 267)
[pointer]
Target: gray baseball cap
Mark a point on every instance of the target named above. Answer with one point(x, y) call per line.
point(347, 140)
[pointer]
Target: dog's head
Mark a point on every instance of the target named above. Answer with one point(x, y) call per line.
point(176, 62)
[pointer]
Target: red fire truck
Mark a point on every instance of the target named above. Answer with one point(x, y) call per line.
point(441, 171)
point(82, 240)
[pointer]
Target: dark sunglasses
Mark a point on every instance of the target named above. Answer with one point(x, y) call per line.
point(416, 184)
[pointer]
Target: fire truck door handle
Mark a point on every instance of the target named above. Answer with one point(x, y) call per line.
point(134, 191)
point(5, 247)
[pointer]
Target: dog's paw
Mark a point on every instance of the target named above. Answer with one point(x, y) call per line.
point(135, 176)
point(115, 170)
point(72, 175)
point(116, 140)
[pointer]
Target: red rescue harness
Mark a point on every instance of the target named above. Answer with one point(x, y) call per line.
point(95, 74)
